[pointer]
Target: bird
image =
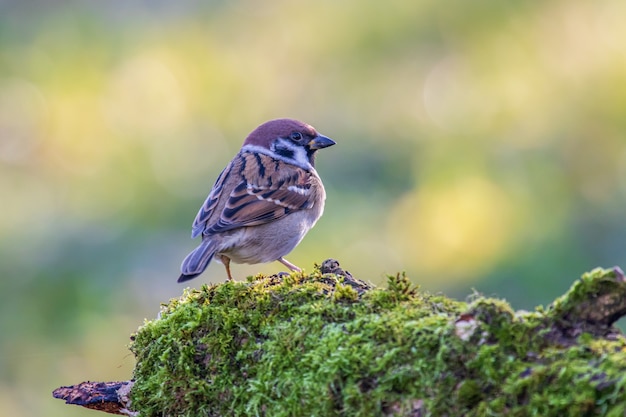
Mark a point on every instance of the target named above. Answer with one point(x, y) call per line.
point(264, 202)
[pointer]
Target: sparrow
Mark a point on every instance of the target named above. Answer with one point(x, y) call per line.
point(264, 202)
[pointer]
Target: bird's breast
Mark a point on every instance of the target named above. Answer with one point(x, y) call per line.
point(270, 241)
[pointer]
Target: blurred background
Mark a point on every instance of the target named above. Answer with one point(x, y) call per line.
point(480, 145)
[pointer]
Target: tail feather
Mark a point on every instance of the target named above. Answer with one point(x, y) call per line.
point(196, 262)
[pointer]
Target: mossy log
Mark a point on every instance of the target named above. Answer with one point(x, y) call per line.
point(327, 344)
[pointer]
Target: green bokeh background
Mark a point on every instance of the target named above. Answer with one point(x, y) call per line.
point(480, 145)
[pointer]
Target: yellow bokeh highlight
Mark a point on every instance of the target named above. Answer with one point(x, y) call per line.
point(145, 96)
point(459, 227)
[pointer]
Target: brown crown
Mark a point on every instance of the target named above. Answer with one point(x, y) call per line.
point(268, 131)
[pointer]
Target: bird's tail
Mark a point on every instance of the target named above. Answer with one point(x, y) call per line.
point(196, 262)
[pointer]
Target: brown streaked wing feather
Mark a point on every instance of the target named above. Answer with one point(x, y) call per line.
point(205, 212)
point(266, 194)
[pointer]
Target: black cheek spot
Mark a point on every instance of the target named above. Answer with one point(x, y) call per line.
point(286, 153)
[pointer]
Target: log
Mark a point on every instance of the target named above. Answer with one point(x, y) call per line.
point(110, 397)
point(328, 344)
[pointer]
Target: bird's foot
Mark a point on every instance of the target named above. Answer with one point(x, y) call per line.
point(289, 264)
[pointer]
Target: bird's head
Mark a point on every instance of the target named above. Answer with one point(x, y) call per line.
point(288, 139)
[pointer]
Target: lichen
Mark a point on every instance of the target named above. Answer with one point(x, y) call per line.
point(329, 345)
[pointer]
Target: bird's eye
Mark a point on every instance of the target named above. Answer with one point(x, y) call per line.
point(296, 136)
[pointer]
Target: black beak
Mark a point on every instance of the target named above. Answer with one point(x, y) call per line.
point(320, 142)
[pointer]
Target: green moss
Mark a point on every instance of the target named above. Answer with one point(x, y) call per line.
point(325, 345)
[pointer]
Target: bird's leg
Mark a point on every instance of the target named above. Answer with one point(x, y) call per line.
point(226, 261)
point(288, 264)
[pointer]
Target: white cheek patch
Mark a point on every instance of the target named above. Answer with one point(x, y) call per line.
point(299, 157)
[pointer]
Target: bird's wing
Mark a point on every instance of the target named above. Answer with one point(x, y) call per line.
point(269, 189)
point(207, 209)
